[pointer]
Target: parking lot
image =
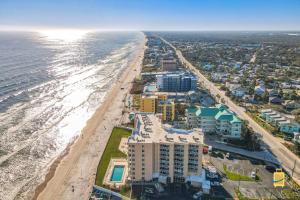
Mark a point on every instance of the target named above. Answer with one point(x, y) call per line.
point(259, 186)
point(258, 189)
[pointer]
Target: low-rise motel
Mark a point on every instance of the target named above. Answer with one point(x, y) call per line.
point(159, 152)
point(286, 125)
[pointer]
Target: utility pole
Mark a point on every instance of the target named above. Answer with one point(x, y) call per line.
point(239, 182)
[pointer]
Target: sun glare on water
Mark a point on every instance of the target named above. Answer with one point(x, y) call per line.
point(63, 35)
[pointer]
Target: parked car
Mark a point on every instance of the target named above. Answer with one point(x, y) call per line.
point(149, 190)
point(198, 195)
point(253, 174)
point(270, 168)
point(215, 183)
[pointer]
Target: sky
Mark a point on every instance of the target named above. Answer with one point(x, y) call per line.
point(151, 14)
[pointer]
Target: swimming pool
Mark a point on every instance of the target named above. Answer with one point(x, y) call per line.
point(117, 173)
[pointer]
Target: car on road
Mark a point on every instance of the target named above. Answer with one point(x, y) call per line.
point(229, 156)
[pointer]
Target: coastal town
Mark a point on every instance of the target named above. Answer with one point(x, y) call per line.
point(183, 133)
point(146, 100)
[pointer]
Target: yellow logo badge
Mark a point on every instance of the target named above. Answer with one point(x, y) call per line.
point(278, 178)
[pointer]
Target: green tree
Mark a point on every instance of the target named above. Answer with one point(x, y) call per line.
point(223, 87)
point(265, 96)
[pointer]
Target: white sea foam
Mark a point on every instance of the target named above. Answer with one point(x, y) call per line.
point(50, 108)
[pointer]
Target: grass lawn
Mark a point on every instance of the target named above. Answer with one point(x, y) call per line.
point(235, 176)
point(111, 151)
point(292, 148)
point(265, 125)
point(271, 129)
point(240, 196)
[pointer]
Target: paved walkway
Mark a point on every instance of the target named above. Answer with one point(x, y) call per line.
point(289, 161)
point(97, 190)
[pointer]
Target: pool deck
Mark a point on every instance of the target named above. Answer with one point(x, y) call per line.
point(107, 179)
point(124, 145)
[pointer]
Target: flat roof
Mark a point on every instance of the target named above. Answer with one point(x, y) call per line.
point(266, 110)
point(272, 113)
point(151, 130)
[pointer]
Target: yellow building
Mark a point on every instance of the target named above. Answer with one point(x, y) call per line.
point(148, 104)
point(162, 97)
point(167, 109)
point(136, 100)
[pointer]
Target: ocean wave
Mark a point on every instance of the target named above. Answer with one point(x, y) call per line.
point(42, 117)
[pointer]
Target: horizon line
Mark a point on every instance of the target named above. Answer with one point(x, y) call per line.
point(34, 29)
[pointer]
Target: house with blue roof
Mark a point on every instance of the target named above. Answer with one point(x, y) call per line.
point(218, 119)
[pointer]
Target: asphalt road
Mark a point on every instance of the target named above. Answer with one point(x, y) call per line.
point(288, 160)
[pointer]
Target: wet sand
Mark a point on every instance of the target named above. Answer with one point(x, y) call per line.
point(77, 167)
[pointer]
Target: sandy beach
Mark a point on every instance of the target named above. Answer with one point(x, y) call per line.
point(77, 167)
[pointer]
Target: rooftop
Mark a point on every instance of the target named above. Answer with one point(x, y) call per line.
point(220, 112)
point(150, 88)
point(266, 110)
point(149, 96)
point(150, 130)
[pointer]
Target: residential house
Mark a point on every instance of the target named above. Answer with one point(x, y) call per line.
point(219, 77)
point(232, 85)
point(291, 104)
point(237, 65)
point(296, 137)
point(238, 92)
point(259, 90)
point(275, 100)
point(207, 67)
point(236, 89)
point(248, 98)
point(273, 93)
point(289, 127)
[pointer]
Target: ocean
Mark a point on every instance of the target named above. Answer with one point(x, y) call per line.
point(50, 85)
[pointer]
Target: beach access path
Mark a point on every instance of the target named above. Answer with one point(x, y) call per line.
point(289, 161)
point(78, 168)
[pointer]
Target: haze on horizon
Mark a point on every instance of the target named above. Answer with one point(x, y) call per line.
point(218, 15)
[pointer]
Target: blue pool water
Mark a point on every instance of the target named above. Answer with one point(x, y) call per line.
point(117, 173)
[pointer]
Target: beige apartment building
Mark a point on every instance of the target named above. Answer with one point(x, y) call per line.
point(164, 153)
point(148, 103)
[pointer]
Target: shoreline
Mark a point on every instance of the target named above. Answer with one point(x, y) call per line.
point(59, 178)
point(50, 173)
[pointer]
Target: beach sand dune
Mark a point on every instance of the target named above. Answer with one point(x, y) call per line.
point(77, 168)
